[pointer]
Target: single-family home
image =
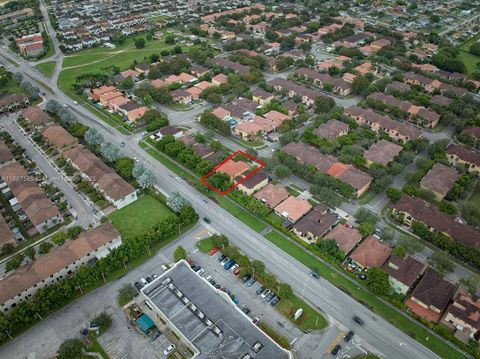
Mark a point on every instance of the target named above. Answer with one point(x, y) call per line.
point(403, 273)
point(272, 195)
point(331, 129)
point(315, 224)
point(371, 253)
point(439, 180)
point(292, 209)
point(253, 183)
point(382, 152)
point(345, 236)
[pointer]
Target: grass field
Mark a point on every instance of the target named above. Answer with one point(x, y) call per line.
point(100, 59)
point(138, 217)
point(205, 245)
point(469, 60)
point(10, 86)
point(46, 68)
point(279, 339)
point(309, 320)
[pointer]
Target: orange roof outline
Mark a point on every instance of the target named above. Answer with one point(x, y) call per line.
point(337, 169)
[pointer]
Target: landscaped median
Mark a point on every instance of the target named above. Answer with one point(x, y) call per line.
point(339, 279)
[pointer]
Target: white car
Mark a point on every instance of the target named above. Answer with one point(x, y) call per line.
point(201, 271)
point(163, 267)
point(265, 294)
point(222, 263)
point(235, 266)
point(168, 350)
point(178, 179)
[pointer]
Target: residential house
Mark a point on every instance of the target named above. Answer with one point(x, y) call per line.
point(130, 73)
point(158, 83)
point(227, 64)
point(459, 155)
point(463, 315)
point(136, 114)
point(331, 130)
point(115, 189)
point(397, 86)
point(221, 113)
point(345, 236)
point(59, 138)
point(410, 209)
point(431, 296)
point(142, 68)
point(473, 132)
point(403, 273)
point(169, 131)
point(181, 96)
point(6, 156)
point(6, 235)
point(31, 199)
point(203, 150)
point(199, 70)
point(262, 97)
point(106, 97)
point(233, 169)
point(95, 93)
point(194, 92)
point(439, 180)
point(21, 285)
point(36, 117)
point(315, 224)
point(292, 209)
point(371, 253)
point(272, 195)
point(382, 152)
point(337, 85)
point(13, 102)
point(396, 130)
point(30, 45)
point(307, 95)
point(219, 79)
point(441, 100)
point(255, 182)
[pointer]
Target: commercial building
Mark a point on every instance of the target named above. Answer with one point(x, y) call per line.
point(206, 319)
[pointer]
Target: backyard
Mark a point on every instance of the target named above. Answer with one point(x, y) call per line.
point(138, 217)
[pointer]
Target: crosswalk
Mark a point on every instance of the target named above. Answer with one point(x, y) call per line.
point(301, 341)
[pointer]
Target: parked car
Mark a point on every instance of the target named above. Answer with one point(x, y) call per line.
point(221, 258)
point(246, 278)
point(164, 268)
point(251, 282)
point(275, 301)
point(246, 310)
point(138, 285)
point(229, 264)
point(224, 261)
point(265, 294)
point(211, 252)
point(349, 336)
point(154, 276)
point(168, 350)
point(200, 271)
point(361, 276)
point(255, 320)
point(234, 267)
point(209, 278)
point(149, 280)
point(195, 267)
point(335, 350)
point(260, 290)
point(270, 297)
point(236, 272)
point(217, 286)
point(143, 281)
point(358, 320)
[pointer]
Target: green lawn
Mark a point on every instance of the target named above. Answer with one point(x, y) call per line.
point(46, 68)
point(138, 217)
point(275, 219)
point(9, 87)
point(309, 320)
point(279, 339)
point(293, 191)
point(205, 245)
point(95, 347)
point(469, 60)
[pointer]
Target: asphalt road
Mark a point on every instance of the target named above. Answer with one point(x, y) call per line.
point(378, 332)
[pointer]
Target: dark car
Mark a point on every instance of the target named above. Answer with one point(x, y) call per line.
point(138, 285)
point(217, 286)
point(246, 278)
point(149, 280)
point(207, 220)
point(275, 301)
point(336, 349)
point(260, 290)
point(246, 310)
point(349, 336)
point(221, 258)
point(250, 282)
point(358, 320)
point(195, 267)
point(361, 276)
point(269, 297)
point(314, 275)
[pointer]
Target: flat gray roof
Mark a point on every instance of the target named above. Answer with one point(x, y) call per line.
point(209, 320)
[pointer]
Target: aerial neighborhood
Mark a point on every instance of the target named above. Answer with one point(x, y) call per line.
point(240, 179)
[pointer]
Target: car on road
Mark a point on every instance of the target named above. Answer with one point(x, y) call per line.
point(275, 301)
point(234, 267)
point(265, 294)
point(335, 350)
point(224, 261)
point(260, 290)
point(270, 297)
point(358, 320)
point(168, 350)
point(207, 220)
point(251, 282)
point(178, 179)
point(314, 275)
point(138, 285)
point(349, 336)
point(75, 102)
point(122, 144)
point(135, 159)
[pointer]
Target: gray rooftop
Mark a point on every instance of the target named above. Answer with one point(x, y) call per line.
point(208, 318)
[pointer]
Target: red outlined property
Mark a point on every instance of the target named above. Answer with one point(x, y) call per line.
point(230, 166)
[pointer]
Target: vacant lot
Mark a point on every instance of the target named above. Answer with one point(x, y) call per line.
point(46, 68)
point(138, 217)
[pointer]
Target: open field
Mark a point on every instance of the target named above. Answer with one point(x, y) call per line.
point(138, 217)
point(46, 68)
point(469, 60)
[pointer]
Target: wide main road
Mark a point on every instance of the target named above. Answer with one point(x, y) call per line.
point(389, 340)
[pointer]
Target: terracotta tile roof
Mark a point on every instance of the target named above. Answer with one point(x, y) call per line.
point(346, 237)
point(309, 155)
point(220, 78)
point(233, 168)
point(466, 308)
point(272, 195)
point(293, 208)
point(463, 153)
point(27, 276)
point(382, 152)
point(432, 217)
point(406, 270)
point(439, 179)
point(36, 116)
point(433, 291)
point(158, 83)
point(220, 112)
point(103, 89)
point(316, 222)
point(371, 253)
point(58, 136)
point(107, 179)
point(337, 169)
